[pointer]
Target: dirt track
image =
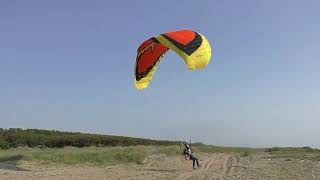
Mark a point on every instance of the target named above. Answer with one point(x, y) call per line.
point(213, 166)
point(216, 166)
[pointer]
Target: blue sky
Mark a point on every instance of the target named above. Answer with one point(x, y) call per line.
point(68, 65)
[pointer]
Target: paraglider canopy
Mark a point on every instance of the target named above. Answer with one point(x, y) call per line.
point(193, 47)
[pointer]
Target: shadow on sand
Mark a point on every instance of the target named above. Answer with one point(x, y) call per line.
point(11, 163)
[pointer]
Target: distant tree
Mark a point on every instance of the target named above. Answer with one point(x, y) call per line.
point(16, 137)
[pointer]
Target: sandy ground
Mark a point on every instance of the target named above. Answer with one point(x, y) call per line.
point(213, 166)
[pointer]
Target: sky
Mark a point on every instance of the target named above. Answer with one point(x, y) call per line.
point(69, 65)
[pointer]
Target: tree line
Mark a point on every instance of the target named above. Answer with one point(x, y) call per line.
point(16, 137)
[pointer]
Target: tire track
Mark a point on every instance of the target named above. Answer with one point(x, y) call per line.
point(208, 164)
point(214, 167)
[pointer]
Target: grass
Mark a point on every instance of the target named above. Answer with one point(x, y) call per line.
point(175, 150)
point(109, 155)
point(137, 154)
point(300, 153)
point(10, 158)
point(220, 149)
point(167, 150)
